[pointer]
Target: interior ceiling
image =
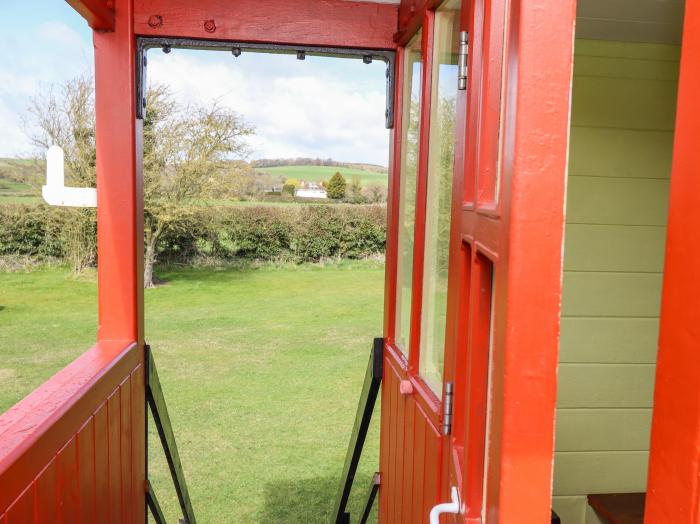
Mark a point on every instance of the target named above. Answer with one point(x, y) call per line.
point(657, 21)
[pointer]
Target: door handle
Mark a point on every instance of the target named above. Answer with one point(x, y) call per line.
point(446, 507)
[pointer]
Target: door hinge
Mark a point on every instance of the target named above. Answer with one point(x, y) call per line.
point(447, 409)
point(463, 60)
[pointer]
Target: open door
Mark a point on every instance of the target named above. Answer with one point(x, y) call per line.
point(475, 262)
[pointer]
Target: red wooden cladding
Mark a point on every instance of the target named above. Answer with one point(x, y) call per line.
point(96, 475)
point(335, 23)
point(410, 465)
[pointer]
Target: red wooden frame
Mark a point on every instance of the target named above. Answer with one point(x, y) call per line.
point(673, 488)
point(76, 445)
point(332, 23)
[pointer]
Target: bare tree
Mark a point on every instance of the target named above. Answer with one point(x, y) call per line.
point(64, 115)
point(188, 152)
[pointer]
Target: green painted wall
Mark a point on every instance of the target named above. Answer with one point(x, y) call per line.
point(623, 112)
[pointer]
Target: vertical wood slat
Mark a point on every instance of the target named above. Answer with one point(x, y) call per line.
point(398, 466)
point(384, 442)
point(418, 469)
point(431, 480)
point(125, 447)
point(86, 471)
point(46, 496)
point(22, 509)
point(101, 460)
point(407, 474)
point(138, 442)
point(114, 456)
point(391, 480)
point(67, 482)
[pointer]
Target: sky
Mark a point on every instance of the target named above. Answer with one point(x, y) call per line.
point(319, 107)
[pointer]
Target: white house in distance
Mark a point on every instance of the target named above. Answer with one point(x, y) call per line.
point(311, 190)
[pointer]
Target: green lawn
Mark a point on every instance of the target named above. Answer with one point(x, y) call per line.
point(316, 173)
point(261, 368)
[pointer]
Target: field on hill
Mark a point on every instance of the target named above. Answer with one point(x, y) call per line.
point(317, 173)
point(11, 189)
point(261, 369)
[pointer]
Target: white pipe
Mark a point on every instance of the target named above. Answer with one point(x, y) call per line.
point(55, 191)
point(445, 507)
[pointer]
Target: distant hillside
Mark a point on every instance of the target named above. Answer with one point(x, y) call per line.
point(20, 180)
point(323, 173)
point(325, 162)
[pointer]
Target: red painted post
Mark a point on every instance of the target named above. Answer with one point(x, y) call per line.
point(119, 182)
point(673, 488)
point(539, 55)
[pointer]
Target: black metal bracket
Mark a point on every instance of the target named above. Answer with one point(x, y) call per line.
point(159, 411)
point(373, 489)
point(365, 408)
point(143, 44)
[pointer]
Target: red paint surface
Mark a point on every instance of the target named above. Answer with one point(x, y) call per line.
point(336, 23)
point(673, 488)
point(50, 450)
point(97, 13)
point(74, 449)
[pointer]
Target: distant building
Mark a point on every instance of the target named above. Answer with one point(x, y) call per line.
point(311, 190)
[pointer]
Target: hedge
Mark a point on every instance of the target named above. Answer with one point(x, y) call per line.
point(299, 233)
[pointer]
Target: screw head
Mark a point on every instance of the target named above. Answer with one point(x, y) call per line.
point(236, 51)
point(155, 21)
point(210, 26)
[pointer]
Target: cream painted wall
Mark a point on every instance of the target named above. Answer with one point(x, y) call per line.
point(621, 143)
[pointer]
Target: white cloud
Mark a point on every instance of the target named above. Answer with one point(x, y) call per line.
point(52, 53)
point(298, 109)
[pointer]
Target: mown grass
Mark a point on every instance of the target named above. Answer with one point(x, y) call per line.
point(317, 173)
point(261, 369)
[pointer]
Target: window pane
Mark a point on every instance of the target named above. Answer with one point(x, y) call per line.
point(407, 197)
point(439, 193)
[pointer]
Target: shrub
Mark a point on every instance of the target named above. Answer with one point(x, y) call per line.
point(298, 233)
point(335, 187)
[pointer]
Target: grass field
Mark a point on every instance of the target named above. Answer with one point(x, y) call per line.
point(17, 193)
point(261, 368)
point(317, 173)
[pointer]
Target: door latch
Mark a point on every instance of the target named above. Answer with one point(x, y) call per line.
point(447, 406)
point(462, 60)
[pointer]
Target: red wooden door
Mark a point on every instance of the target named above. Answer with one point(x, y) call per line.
point(476, 310)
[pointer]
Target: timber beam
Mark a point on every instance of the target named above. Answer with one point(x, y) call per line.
point(98, 13)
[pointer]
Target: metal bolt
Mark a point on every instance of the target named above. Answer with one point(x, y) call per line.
point(166, 48)
point(367, 59)
point(301, 55)
point(209, 26)
point(236, 51)
point(155, 21)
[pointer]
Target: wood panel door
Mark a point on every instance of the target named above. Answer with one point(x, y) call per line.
point(475, 263)
point(421, 213)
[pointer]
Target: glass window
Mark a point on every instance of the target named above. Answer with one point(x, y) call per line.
point(439, 193)
point(407, 198)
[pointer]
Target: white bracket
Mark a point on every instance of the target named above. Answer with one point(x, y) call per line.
point(446, 507)
point(55, 191)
